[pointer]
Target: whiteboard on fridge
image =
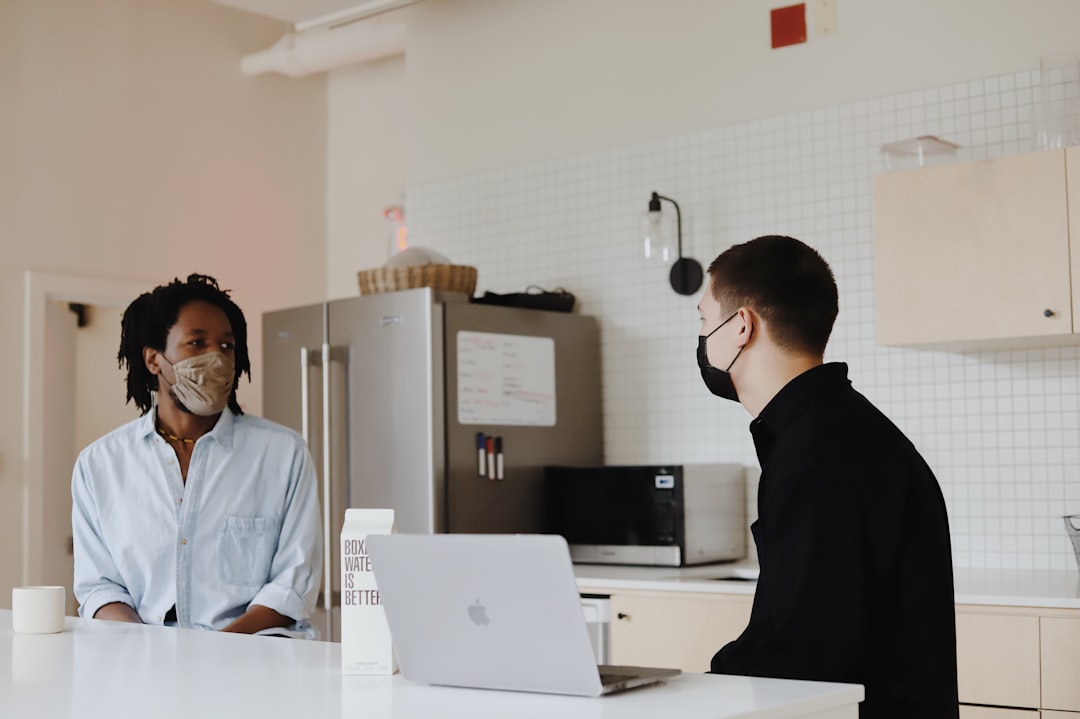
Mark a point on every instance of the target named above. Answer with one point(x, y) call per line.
point(505, 379)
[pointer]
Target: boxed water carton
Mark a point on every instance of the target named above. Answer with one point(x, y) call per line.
point(366, 647)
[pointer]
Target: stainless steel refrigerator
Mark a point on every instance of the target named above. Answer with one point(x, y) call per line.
point(406, 399)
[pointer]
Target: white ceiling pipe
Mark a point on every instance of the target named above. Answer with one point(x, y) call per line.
point(356, 12)
point(305, 53)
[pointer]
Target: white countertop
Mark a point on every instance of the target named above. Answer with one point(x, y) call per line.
point(674, 579)
point(993, 587)
point(1018, 587)
point(112, 670)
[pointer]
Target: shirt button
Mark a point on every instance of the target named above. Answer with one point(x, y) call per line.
point(179, 500)
point(183, 541)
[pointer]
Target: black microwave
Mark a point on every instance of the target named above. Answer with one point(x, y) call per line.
point(659, 515)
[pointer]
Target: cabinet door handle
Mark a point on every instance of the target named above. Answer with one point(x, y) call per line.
point(1048, 313)
point(620, 615)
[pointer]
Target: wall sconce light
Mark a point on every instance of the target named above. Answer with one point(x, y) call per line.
point(686, 274)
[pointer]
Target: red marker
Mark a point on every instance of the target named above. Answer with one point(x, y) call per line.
point(491, 457)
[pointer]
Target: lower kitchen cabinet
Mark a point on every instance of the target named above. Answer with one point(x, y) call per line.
point(970, 712)
point(674, 629)
point(997, 658)
point(1018, 660)
point(1012, 662)
point(1061, 663)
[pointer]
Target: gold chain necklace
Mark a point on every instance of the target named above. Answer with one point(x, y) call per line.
point(173, 437)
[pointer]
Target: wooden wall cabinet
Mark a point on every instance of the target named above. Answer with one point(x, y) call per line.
point(979, 254)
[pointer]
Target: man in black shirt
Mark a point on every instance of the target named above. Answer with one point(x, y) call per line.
point(852, 535)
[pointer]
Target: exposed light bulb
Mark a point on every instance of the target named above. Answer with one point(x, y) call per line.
point(657, 243)
point(657, 246)
point(686, 274)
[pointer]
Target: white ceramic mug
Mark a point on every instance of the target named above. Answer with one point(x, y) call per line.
point(37, 610)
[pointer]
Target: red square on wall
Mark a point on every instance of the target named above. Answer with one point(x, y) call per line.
point(788, 25)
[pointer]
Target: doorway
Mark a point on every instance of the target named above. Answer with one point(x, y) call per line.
point(71, 392)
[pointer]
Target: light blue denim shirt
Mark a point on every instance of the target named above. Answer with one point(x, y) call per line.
point(244, 529)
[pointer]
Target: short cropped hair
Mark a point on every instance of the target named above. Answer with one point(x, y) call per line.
point(786, 282)
point(147, 322)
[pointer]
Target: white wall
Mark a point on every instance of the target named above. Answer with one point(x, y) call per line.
point(1000, 429)
point(489, 84)
point(367, 134)
point(496, 83)
point(131, 147)
point(538, 129)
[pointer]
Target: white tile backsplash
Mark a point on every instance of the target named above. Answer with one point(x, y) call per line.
point(1001, 429)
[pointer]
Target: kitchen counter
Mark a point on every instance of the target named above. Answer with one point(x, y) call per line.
point(1018, 587)
point(113, 670)
point(724, 578)
point(990, 587)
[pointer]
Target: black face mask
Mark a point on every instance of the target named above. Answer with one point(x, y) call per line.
point(717, 380)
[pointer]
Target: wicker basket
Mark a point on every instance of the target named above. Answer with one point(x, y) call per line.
point(447, 278)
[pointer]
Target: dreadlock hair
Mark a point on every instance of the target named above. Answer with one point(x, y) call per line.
point(147, 322)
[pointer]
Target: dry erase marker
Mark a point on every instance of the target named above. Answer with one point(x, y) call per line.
point(491, 457)
point(480, 454)
point(498, 458)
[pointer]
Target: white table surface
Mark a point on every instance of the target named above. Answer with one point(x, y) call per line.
point(994, 587)
point(113, 670)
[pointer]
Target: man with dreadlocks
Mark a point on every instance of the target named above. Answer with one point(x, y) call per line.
point(195, 514)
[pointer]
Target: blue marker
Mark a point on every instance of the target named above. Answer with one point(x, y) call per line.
point(480, 449)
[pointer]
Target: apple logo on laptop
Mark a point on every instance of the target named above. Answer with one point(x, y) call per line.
point(478, 614)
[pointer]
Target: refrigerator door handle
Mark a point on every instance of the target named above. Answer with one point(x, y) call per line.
point(328, 548)
point(305, 399)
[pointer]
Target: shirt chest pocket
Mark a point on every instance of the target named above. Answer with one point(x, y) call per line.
point(247, 549)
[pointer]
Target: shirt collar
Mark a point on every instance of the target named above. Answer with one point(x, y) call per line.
point(222, 432)
point(146, 423)
point(784, 408)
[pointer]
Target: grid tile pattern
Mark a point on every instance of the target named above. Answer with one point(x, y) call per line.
point(1001, 429)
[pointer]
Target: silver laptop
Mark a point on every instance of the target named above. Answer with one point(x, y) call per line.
point(492, 611)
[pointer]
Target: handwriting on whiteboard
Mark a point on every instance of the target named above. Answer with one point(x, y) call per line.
point(505, 379)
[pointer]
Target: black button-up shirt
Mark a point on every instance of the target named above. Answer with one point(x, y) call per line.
point(852, 535)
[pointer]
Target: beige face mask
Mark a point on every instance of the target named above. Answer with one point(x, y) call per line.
point(203, 382)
